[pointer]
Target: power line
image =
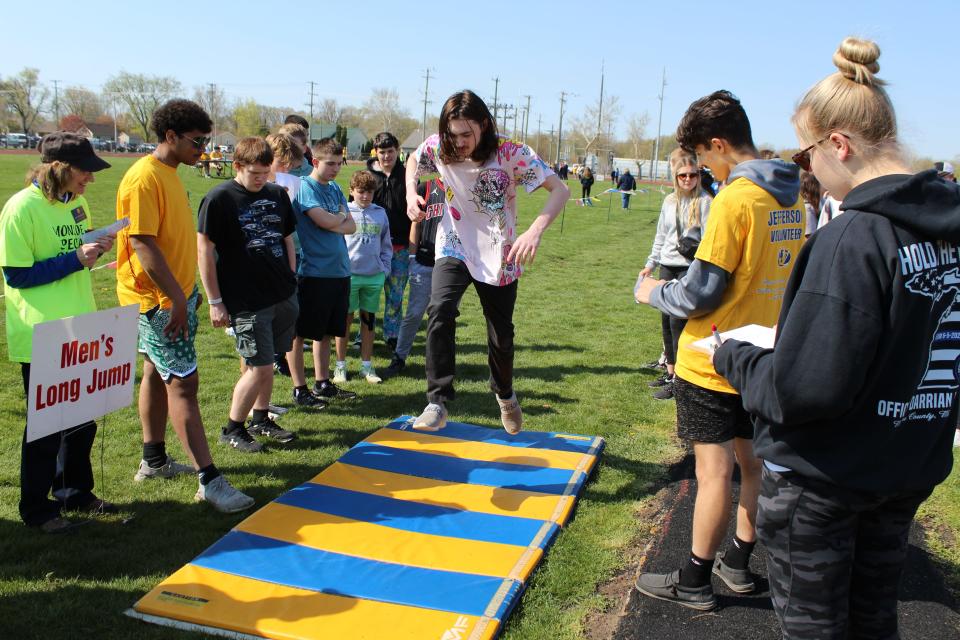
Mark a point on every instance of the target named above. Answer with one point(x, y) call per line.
point(313, 94)
point(656, 152)
point(496, 90)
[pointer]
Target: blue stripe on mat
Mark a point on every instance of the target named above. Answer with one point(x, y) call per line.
point(523, 440)
point(494, 474)
point(259, 558)
point(416, 516)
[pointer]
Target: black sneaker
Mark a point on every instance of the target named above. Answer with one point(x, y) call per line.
point(241, 440)
point(664, 393)
point(666, 586)
point(665, 379)
point(308, 400)
point(391, 343)
point(272, 430)
point(328, 390)
point(397, 364)
point(280, 366)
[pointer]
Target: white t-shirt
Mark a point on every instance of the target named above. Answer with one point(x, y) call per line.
point(829, 211)
point(289, 182)
point(481, 202)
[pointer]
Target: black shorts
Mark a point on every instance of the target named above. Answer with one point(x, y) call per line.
point(323, 307)
point(709, 416)
point(260, 334)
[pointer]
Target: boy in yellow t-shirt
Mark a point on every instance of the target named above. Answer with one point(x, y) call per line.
point(157, 269)
point(753, 235)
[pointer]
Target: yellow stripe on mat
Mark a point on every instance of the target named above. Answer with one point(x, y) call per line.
point(215, 599)
point(470, 450)
point(469, 497)
point(386, 544)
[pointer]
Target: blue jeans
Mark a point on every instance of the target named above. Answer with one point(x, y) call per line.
point(421, 279)
point(625, 197)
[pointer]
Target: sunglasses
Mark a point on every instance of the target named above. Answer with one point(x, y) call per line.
point(688, 176)
point(199, 143)
point(802, 158)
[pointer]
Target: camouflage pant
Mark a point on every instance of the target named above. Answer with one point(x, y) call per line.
point(834, 556)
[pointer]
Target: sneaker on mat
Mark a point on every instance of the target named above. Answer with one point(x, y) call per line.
point(666, 586)
point(222, 496)
point(241, 440)
point(433, 418)
point(272, 430)
point(170, 469)
point(330, 391)
point(510, 414)
point(370, 374)
point(738, 580)
point(339, 374)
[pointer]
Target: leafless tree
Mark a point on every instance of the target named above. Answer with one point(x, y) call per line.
point(82, 102)
point(25, 97)
point(142, 94)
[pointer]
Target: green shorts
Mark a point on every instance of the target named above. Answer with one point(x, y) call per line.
point(171, 357)
point(365, 293)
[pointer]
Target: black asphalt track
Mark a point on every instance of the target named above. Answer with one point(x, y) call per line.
point(926, 609)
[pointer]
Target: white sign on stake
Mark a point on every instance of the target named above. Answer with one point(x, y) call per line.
point(82, 368)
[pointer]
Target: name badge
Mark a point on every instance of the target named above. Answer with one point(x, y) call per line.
point(79, 215)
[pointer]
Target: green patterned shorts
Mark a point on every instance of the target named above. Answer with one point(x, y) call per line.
point(171, 357)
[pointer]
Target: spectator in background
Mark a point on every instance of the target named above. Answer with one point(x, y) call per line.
point(299, 133)
point(626, 185)
point(42, 282)
point(945, 171)
point(586, 182)
point(300, 120)
point(684, 213)
point(391, 194)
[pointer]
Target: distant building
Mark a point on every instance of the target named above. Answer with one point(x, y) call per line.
point(356, 138)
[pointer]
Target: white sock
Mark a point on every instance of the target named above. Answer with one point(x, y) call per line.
point(341, 364)
point(365, 364)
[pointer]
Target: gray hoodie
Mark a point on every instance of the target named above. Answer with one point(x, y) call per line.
point(369, 246)
point(699, 292)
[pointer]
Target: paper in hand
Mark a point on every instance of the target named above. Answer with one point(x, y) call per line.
point(96, 234)
point(753, 333)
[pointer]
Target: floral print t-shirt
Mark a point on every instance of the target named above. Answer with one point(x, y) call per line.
point(482, 205)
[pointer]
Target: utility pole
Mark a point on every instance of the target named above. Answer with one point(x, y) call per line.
point(539, 121)
point(600, 110)
point(526, 119)
point(426, 93)
point(56, 102)
point(506, 109)
point(516, 134)
point(563, 99)
point(550, 147)
point(496, 93)
point(313, 94)
point(656, 152)
point(213, 92)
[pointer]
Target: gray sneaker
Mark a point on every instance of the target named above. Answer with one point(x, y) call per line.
point(510, 414)
point(170, 469)
point(433, 418)
point(666, 586)
point(222, 496)
point(738, 580)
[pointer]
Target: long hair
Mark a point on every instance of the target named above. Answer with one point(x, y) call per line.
point(678, 160)
point(52, 178)
point(467, 105)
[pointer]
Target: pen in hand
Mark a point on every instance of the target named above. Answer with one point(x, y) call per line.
point(716, 338)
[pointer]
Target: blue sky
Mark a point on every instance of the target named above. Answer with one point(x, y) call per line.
point(766, 53)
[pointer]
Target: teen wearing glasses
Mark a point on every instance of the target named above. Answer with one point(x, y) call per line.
point(684, 212)
point(157, 270)
point(856, 404)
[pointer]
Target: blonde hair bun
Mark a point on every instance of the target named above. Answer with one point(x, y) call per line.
point(856, 60)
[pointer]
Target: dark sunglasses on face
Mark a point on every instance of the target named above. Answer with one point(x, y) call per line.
point(802, 158)
point(199, 143)
point(688, 176)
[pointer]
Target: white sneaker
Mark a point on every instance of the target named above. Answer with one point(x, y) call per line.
point(222, 496)
point(370, 375)
point(433, 418)
point(170, 469)
point(339, 374)
point(510, 414)
point(956, 438)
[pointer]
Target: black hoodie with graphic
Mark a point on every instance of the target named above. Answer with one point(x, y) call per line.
point(861, 387)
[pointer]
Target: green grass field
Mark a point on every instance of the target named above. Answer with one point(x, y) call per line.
point(580, 341)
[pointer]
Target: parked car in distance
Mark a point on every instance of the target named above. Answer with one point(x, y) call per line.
point(16, 141)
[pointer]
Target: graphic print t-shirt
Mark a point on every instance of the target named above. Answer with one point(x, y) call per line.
point(481, 225)
point(248, 229)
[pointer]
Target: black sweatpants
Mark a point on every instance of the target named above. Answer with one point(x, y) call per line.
point(59, 462)
point(671, 327)
point(450, 280)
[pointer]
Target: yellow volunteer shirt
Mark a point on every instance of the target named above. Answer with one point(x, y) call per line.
point(756, 240)
point(152, 195)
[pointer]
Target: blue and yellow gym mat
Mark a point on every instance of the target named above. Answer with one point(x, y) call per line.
point(407, 535)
